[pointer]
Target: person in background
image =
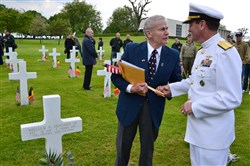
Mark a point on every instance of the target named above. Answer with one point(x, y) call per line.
point(116, 44)
point(9, 41)
point(162, 65)
point(242, 48)
point(230, 40)
point(126, 41)
point(68, 44)
point(214, 90)
point(89, 56)
point(100, 43)
point(187, 55)
point(77, 44)
point(177, 44)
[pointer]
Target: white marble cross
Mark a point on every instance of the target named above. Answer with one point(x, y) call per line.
point(118, 57)
point(107, 79)
point(54, 54)
point(23, 75)
point(43, 50)
point(100, 51)
point(52, 128)
point(74, 51)
point(10, 54)
point(72, 61)
point(13, 61)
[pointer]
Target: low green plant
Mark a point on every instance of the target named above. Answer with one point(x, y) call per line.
point(53, 159)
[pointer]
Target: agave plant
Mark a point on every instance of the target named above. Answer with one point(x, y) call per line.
point(51, 159)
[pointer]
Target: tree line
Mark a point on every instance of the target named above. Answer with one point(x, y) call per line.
point(74, 17)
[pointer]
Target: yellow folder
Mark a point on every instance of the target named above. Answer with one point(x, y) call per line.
point(134, 74)
point(131, 73)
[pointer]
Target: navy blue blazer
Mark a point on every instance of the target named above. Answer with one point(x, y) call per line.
point(89, 53)
point(129, 104)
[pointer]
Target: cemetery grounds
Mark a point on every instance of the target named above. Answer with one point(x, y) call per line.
point(95, 145)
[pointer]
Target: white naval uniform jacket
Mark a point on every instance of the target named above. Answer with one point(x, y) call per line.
point(214, 88)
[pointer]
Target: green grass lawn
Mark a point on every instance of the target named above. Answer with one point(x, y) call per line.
point(95, 145)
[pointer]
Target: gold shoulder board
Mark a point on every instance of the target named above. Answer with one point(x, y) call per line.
point(225, 44)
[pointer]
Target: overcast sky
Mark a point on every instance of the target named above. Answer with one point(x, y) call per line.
point(235, 14)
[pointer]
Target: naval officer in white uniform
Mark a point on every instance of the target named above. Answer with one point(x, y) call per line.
point(214, 90)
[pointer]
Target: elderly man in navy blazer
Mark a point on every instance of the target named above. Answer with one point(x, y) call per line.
point(135, 110)
point(89, 56)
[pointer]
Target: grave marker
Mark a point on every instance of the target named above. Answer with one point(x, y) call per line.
point(10, 54)
point(118, 57)
point(100, 51)
point(43, 50)
point(13, 60)
point(54, 54)
point(74, 51)
point(52, 128)
point(23, 75)
point(72, 61)
point(107, 79)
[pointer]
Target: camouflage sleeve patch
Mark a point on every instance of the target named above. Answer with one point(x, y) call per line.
point(225, 44)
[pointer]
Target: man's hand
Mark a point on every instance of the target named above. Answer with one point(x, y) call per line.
point(140, 88)
point(165, 89)
point(186, 108)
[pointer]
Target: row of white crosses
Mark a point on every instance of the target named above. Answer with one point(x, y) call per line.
point(21, 75)
point(12, 61)
point(107, 79)
point(72, 60)
point(54, 54)
point(52, 128)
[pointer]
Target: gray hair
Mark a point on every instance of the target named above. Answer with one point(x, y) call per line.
point(150, 20)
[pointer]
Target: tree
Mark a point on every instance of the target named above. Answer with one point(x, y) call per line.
point(2, 7)
point(139, 10)
point(25, 20)
point(57, 16)
point(59, 27)
point(8, 19)
point(82, 15)
point(122, 20)
point(38, 27)
point(243, 30)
